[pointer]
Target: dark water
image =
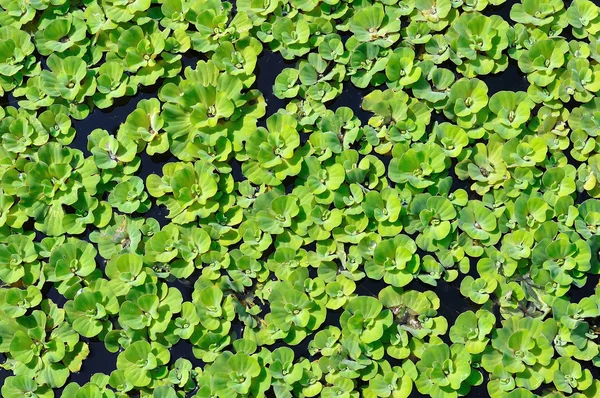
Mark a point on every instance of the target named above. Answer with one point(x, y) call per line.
point(111, 118)
point(268, 67)
point(351, 97)
point(511, 79)
point(99, 361)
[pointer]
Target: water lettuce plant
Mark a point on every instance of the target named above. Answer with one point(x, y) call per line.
point(299, 198)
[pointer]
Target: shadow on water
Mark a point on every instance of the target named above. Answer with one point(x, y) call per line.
point(111, 118)
point(3, 372)
point(236, 170)
point(8, 99)
point(153, 164)
point(185, 286)
point(104, 362)
point(183, 349)
point(352, 97)
point(502, 10)
point(576, 294)
point(268, 67)
point(512, 79)
point(369, 287)
point(51, 293)
point(158, 212)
